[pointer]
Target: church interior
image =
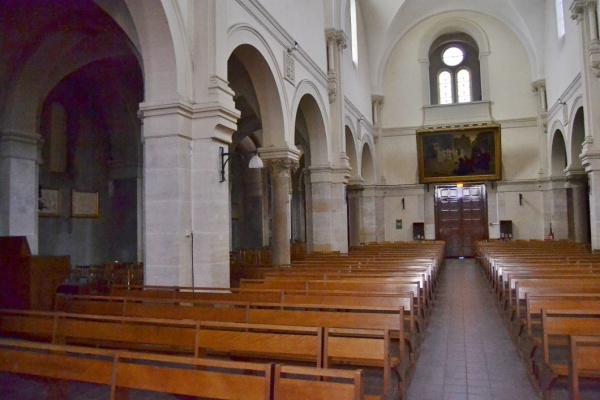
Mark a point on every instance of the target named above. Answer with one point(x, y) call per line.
point(344, 158)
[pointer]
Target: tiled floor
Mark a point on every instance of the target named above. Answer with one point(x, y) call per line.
point(467, 352)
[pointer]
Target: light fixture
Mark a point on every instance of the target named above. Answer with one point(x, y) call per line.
point(562, 103)
point(255, 162)
point(292, 49)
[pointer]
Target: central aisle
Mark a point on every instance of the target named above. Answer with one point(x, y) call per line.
point(467, 352)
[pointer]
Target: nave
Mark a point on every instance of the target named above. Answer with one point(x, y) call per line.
point(467, 352)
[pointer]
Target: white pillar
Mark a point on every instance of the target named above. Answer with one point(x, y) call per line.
point(19, 182)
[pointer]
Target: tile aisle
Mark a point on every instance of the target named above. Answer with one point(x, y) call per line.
point(467, 352)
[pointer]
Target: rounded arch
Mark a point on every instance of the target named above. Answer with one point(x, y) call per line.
point(59, 45)
point(351, 152)
point(558, 153)
point(309, 101)
point(577, 134)
point(257, 58)
point(166, 62)
point(404, 21)
point(368, 163)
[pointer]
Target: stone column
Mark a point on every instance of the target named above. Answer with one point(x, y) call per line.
point(369, 228)
point(539, 88)
point(577, 182)
point(281, 170)
point(559, 210)
point(584, 12)
point(355, 221)
point(19, 175)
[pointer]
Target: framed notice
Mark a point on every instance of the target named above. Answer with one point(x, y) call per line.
point(49, 203)
point(459, 154)
point(84, 204)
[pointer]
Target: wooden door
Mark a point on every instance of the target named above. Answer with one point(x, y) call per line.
point(461, 218)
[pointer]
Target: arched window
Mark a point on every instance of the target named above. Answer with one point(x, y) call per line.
point(354, 29)
point(454, 70)
point(560, 19)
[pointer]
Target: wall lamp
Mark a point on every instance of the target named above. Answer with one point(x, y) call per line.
point(562, 103)
point(520, 199)
point(293, 48)
point(255, 161)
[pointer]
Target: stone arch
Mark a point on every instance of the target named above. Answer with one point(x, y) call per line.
point(558, 153)
point(404, 21)
point(577, 134)
point(352, 153)
point(258, 59)
point(367, 163)
point(164, 49)
point(309, 102)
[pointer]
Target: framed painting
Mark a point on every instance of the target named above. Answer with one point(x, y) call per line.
point(469, 154)
point(84, 204)
point(49, 203)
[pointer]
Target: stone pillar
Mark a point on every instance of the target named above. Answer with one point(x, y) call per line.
point(380, 215)
point(584, 12)
point(19, 176)
point(281, 170)
point(539, 88)
point(355, 221)
point(579, 228)
point(369, 228)
point(329, 217)
point(559, 210)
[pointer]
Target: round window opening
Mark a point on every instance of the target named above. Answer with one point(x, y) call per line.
point(452, 56)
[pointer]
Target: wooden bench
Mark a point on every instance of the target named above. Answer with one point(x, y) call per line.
point(557, 326)
point(214, 379)
point(368, 347)
point(196, 338)
point(516, 303)
point(301, 383)
point(585, 362)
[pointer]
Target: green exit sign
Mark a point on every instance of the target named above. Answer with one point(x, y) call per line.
point(398, 224)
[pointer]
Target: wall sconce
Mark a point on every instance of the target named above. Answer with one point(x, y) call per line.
point(293, 48)
point(403, 203)
point(520, 199)
point(560, 102)
point(255, 161)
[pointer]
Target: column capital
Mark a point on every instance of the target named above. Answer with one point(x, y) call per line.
point(20, 144)
point(538, 85)
point(268, 153)
point(283, 167)
point(577, 10)
point(337, 37)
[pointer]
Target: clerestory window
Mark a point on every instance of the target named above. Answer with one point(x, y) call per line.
point(454, 70)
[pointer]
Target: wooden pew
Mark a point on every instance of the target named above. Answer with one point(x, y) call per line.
point(213, 379)
point(196, 338)
point(301, 383)
point(369, 286)
point(276, 341)
point(516, 302)
point(368, 348)
point(585, 362)
point(557, 326)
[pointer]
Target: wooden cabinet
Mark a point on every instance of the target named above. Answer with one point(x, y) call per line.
point(29, 282)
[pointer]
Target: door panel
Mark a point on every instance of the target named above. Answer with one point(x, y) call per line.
point(461, 218)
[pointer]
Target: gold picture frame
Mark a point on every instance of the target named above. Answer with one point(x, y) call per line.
point(84, 204)
point(467, 154)
point(49, 204)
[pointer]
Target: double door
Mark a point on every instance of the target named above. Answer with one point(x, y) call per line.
point(461, 218)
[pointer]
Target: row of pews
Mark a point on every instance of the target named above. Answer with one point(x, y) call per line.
point(313, 330)
point(549, 295)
